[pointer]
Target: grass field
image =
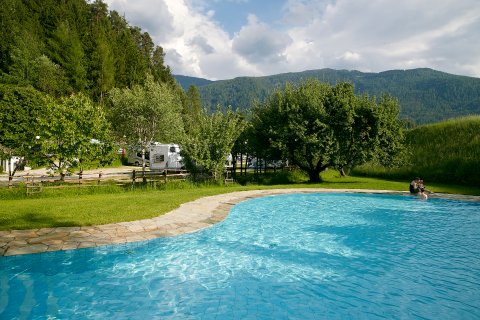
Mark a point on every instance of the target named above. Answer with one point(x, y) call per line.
point(101, 205)
point(447, 152)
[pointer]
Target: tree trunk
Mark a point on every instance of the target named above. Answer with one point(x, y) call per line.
point(143, 159)
point(144, 178)
point(314, 176)
point(61, 169)
point(241, 163)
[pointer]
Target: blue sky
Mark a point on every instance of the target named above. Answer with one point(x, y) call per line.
point(232, 15)
point(223, 39)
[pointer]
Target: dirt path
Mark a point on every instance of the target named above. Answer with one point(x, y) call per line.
point(86, 173)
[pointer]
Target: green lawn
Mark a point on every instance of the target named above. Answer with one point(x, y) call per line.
point(94, 205)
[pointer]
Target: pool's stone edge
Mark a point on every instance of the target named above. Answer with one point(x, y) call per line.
point(189, 217)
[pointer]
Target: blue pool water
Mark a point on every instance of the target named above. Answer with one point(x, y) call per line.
point(297, 256)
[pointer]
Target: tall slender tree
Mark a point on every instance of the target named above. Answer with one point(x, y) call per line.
point(67, 51)
point(208, 144)
point(146, 114)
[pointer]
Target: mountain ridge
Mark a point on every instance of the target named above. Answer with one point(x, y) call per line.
point(425, 95)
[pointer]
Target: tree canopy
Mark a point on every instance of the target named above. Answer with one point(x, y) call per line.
point(75, 131)
point(210, 141)
point(20, 111)
point(316, 126)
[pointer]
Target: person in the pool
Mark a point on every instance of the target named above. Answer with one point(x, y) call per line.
point(417, 188)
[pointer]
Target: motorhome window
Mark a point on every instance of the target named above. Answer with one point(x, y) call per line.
point(159, 158)
point(172, 149)
point(147, 154)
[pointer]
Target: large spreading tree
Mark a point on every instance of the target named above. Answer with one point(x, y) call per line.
point(75, 131)
point(317, 126)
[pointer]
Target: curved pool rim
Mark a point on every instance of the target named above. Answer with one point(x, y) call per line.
point(189, 217)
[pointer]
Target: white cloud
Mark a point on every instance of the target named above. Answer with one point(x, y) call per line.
point(151, 15)
point(379, 35)
point(301, 12)
point(258, 43)
point(367, 35)
point(202, 43)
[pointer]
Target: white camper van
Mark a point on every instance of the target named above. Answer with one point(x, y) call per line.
point(135, 156)
point(165, 156)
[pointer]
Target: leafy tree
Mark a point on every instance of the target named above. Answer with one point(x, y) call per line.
point(23, 56)
point(49, 77)
point(391, 137)
point(192, 107)
point(20, 110)
point(75, 131)
point(208, 144)
point(148, 113)
point(317, 126)
point(243, 145)
point(360, 126)
point(293, 122)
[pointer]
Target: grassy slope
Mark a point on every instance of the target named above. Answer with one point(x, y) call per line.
point(79, 207)
point(447, 152)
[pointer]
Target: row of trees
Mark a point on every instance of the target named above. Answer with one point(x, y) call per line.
point(314, 126)
point(58, 133)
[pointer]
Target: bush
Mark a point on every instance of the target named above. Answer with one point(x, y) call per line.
point(273, 178)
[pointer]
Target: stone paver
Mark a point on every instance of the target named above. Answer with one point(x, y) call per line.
point(189, 217)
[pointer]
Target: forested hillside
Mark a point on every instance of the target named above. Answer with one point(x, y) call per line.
point(425, 95)
point(61, 47)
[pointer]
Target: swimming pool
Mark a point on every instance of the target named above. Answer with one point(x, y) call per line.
point(295, 256)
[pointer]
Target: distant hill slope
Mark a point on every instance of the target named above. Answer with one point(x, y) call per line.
point(186, 81)
point(425, 95)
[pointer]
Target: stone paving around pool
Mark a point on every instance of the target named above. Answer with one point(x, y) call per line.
point(189, 217)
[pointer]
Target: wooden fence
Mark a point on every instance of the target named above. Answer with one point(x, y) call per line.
point(36, 184)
